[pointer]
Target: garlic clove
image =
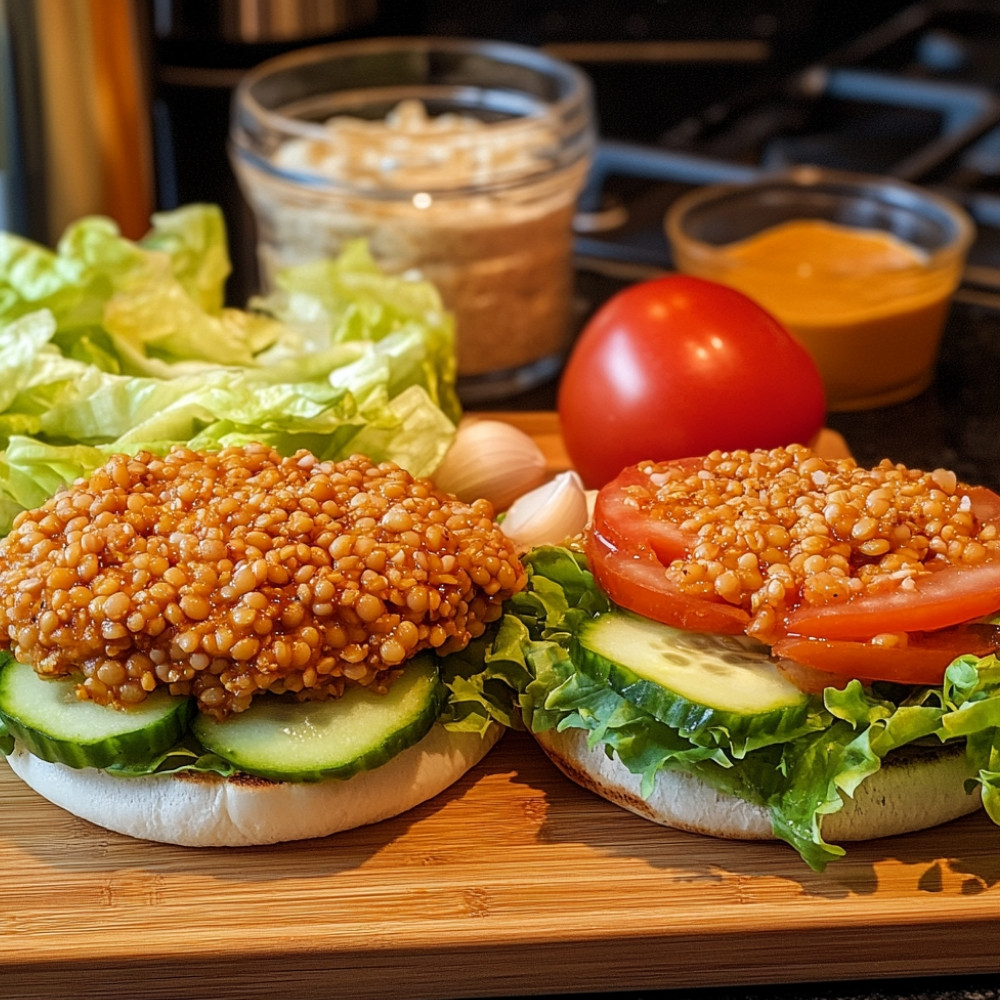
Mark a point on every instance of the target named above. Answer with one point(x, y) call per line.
point(549, 514)
point(493, 460)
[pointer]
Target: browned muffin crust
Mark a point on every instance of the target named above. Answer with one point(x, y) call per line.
point(228, 574)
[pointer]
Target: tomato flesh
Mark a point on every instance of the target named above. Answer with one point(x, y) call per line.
point(922, 660)
point(635, 580)
point(620, 522)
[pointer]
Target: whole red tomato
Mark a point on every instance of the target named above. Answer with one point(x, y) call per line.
point(679, 366)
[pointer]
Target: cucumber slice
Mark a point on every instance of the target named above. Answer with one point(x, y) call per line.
point(288, 740)
point(48, 719)
point(694, 682)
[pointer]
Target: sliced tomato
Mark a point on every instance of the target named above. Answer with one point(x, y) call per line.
point(629, 549)
point(619, 521)
point(635, 579)
point(946, 596)
point(922, 660)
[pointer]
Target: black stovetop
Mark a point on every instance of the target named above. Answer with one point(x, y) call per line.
point(913, 98)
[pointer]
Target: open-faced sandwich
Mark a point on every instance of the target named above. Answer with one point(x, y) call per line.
point(237, 647)
point(771, 644)
point(219, 623)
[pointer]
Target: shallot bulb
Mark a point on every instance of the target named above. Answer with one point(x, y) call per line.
point(492, 460)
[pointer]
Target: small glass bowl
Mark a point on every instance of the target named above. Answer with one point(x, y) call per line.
point(456, 159)
point(870, 312)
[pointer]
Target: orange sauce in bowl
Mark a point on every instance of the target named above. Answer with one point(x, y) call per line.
point(869, 307)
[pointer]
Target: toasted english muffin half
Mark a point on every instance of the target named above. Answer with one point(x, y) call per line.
point(916, 788)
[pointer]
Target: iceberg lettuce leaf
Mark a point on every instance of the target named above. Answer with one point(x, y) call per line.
point(114, 345)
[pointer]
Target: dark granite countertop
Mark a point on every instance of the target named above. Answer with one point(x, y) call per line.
point(956, 423)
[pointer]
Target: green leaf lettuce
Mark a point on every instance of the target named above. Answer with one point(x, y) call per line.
point(799, 776)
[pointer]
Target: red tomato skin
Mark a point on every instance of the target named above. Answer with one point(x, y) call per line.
point(624, 526)
point(680, 366)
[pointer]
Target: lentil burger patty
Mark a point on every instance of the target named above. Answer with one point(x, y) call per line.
point(228, 574)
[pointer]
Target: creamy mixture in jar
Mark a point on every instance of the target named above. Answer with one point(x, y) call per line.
point(481, 208)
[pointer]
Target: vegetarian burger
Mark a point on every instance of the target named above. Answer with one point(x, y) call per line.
point(242, 648)
point(771, 644)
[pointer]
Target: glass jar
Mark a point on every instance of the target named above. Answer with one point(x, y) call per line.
point(458, 160)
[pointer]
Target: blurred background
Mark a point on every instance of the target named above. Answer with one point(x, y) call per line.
point(121, 107)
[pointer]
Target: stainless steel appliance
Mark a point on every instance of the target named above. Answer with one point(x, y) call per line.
point(74, 123)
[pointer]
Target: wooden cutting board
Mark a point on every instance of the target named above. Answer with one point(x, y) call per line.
point(513, 882)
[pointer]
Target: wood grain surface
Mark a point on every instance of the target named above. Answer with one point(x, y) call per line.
point(513, 882)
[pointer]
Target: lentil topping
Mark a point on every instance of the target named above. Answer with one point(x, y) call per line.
point(774, 530)
point(227, 574)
